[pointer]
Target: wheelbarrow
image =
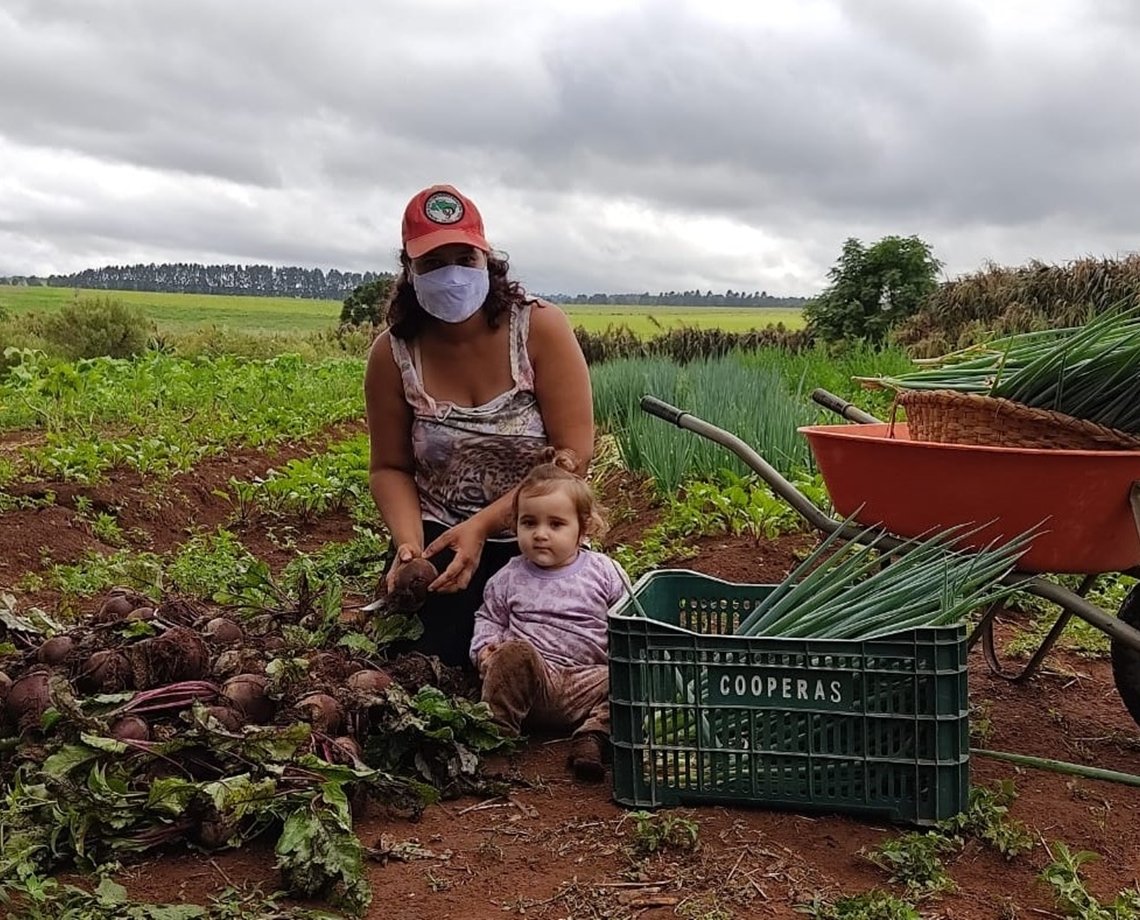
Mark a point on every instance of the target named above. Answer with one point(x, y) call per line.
point(901, 489)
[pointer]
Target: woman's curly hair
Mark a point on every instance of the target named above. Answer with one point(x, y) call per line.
point(406, 318)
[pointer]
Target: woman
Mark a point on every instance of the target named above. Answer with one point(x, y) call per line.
point(469, 383)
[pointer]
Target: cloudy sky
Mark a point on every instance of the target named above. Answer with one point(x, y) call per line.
point(612, 145)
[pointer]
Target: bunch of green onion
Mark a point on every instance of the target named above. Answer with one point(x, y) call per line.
point(854, 590)
point(1089, 372)
point(858, 592)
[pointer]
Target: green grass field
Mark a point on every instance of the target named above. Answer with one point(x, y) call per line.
point(185, 312)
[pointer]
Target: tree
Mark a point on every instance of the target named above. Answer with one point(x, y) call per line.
point(873, 289)
point(365, 302)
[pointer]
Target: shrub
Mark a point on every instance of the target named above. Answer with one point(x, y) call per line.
point(366, 303)
point(94, 327)
point(873, 289)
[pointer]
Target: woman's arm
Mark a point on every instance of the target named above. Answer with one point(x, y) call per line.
point(562, 388)
point(390, 465)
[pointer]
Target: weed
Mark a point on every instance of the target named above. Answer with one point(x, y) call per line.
point(653, 832)
point(987, 818)
point(359, 562)
point(914, 860)
point(656, 547)
point(435, 882)
point(1063, 876)
point(106, 528)
point(1079, 637)
point(871, 905)
point(95, 573)
point(981, 724)
point(7, 472)
point(209, 564)
point(701, 909)
point(10, 502)
point(35, 898)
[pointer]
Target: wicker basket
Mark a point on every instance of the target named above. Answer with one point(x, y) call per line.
point(950, 417)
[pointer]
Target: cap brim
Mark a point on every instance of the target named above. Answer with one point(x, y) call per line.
point(424, 244)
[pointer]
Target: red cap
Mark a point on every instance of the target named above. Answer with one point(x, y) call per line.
point(440, 215)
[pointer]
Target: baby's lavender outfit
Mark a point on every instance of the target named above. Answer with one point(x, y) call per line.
point(548, 627)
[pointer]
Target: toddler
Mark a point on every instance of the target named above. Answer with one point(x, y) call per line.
point(540, 635)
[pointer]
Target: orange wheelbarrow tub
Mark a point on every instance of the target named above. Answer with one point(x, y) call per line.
point(1088, 502)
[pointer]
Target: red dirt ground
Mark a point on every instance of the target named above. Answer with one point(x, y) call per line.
point(555, 849)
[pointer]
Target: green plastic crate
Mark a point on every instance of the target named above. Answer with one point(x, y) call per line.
point(875, 727)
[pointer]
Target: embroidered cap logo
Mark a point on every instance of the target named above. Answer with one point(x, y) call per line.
point(442, 208)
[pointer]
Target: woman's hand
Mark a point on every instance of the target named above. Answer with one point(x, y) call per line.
point(405, 552)
point(466, 541)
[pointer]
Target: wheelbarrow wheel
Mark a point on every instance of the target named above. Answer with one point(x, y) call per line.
point(1126, 658)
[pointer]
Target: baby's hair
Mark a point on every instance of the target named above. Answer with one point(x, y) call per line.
point(555, 472)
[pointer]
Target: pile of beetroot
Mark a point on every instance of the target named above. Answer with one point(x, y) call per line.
point(157, 722)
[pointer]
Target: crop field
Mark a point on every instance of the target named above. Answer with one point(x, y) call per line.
point(200, 720)
point(184, 312)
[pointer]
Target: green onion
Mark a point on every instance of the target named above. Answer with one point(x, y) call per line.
point(854, 595)
point(1090, 372)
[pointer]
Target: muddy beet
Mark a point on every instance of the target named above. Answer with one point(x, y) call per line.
point(28, 699)
point(411, 588)
point(177, 654)
point(118, 604)
point(105, 671)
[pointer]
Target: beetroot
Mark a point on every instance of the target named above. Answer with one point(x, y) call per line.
point(216, 833)
point(227, 716)
point(130, 728)
point(322, 711)
point(176, 655)
point(411, 585)
point(238, 661)
point(223, 631)
point(369, 681)
point(28, 699)
point(346, 750)
point(247, 693)
point(178, 611)
point(105, 671)
point(55, 650)
point(119, 603)
point(327, 664)
point(141, 613)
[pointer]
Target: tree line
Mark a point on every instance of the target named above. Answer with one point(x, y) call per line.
point(193, 278)
point(271, 281)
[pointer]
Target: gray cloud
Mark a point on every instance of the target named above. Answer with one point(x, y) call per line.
point(637, 146)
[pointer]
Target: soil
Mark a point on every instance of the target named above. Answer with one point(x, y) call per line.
point(553, 848)
point(158, 516)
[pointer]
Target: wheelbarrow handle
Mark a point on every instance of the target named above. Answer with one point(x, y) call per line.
point(662, 410)
point(841, 407)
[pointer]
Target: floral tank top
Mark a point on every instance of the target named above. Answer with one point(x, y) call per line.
point(467, 456)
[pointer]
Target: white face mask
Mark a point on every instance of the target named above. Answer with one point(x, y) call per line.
point(452, 293)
